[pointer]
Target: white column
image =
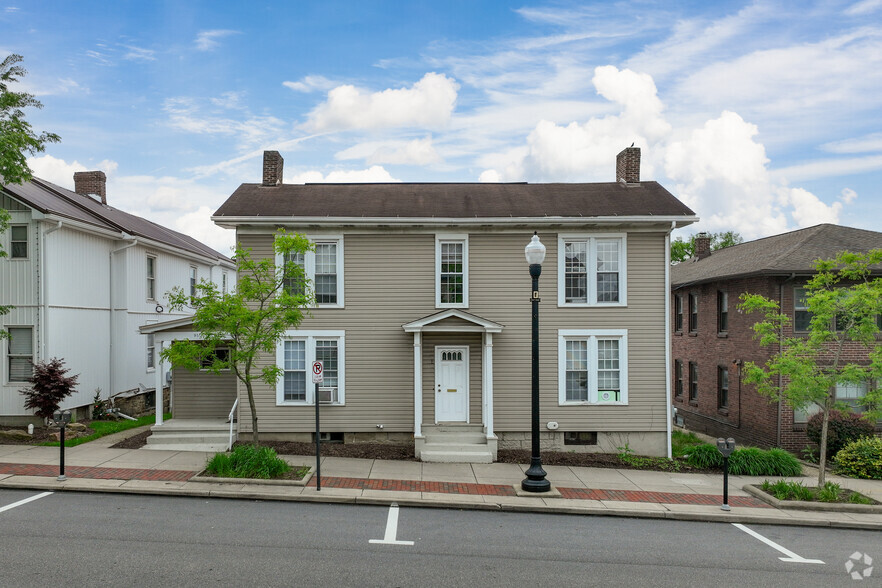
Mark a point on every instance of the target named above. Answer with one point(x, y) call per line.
point(488, 382)
point(160, 376)
point(417, 385)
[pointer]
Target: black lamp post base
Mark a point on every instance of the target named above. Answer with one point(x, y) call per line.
point(535, 480)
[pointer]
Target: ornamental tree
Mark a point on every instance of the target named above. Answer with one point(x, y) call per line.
point(845, 302)
point(49, 386)
point(250, 320)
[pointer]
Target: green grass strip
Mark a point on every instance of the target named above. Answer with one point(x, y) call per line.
point(104, 428)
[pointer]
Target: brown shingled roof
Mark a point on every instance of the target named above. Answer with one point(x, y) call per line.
point(453, 200)
point(51, 199)
point(784, 254)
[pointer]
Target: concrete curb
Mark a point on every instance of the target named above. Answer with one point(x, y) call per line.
point(758, 493)
point(217, 480)
point(206, 491)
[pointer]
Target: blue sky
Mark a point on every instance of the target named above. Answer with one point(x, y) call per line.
point(762, 116)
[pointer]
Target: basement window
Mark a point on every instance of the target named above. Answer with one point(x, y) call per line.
point(580, 438)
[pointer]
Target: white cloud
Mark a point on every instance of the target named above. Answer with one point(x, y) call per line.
point(429, 103)
point(374, 174)
point(191, 115)
point(311, 84)
point(823, 168)
point(808, 210)
point(208, 40)
point(416, 152)
point(60, 172)
point(863, 7)
point(871, 142)
point(198, 224)
point(490, 176)
point(139, 54)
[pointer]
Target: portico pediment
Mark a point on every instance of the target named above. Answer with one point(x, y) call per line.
point(452, 320)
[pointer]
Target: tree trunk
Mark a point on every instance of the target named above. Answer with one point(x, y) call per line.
point(254, 434)
point(822, 460)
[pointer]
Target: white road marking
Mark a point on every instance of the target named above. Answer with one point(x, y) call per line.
point(391, 529)
point(25, 501)
point(791, 557)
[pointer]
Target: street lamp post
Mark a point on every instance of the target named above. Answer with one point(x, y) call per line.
point(535, 480)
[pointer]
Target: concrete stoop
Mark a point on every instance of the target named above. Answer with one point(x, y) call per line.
point(456, 444)
point(191, 435)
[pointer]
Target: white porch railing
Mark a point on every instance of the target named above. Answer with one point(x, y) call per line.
point(232, 412)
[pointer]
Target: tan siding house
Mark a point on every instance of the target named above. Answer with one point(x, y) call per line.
point(423, 312)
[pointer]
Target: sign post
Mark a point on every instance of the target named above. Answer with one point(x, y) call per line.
point(318, 376)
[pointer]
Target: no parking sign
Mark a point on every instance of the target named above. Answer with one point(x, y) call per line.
point(318, 372)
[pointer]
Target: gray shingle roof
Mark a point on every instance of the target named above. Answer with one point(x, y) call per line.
point(453, 200)
point(783, 254)
point(51, 199)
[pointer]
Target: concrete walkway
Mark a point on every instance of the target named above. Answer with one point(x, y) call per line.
point(96, 467)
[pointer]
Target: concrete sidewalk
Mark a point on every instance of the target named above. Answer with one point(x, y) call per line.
point(96, 467)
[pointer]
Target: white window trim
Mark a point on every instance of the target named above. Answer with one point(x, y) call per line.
point(27, 242)
point(151, 354)
point(147, 277)
point(9, 354)
point(447, 238)
point(310, 338)
point(192, 279)
point(592, 238)
point(309, 266)
point(592, 335)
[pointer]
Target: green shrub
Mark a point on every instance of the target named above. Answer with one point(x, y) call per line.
point(248, 461)
point(857, 498)
point(843, 428)
point(683, 442)
point(784, 490)
point(861, 459)
point(705, 456)
point(829, 492)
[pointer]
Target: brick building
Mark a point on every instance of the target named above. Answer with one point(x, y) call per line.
point(711, 339)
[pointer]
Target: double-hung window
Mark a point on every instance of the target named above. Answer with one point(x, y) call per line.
point(151, 351)
point(193, 281)
point(678, 314)
point(323, 268)
point(295, 354)
point(722, 312)
point(678, 378)
point(593, 366)
point(802, 318)
point(151, 277)
point(21, 353)
point(591, 270)
point(18, 241)
point(693, 381)
point(451, 271)
point(722, 387)
point(693, 313)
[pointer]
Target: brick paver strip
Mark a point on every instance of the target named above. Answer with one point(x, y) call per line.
point(503, 490)
point(95, 473)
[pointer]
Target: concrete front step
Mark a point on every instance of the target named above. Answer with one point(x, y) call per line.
point(467, 438)
point(442, 456)
point(196, 437)
point(207, 447)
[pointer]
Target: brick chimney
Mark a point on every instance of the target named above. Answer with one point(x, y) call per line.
point(702, 245)
point(91, 182)
point(272, 168)
point(628, 165)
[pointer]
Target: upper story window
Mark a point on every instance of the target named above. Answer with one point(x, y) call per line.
point(18, 241)
point(678, 313)
point(295, 354)
point(324, 268)
point(802, 318)
point(451, 271)
point(224, 283)
point(591, 270)
point(722, 312)
point(151, 277)
point(21, 353)
point(192, 281)
point(593, 367)
point(693, 313)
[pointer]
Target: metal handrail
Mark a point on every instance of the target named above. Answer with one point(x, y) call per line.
point(232, 410)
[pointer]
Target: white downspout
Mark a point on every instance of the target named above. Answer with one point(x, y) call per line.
point(111, 307)
point(44, 299)
point(669, 426)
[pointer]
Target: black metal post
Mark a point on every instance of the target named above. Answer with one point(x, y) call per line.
point(725, 483)
point(61, 476)
point(535, 480)
point(318, 444)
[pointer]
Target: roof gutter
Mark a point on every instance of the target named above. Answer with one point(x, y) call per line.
point(233, 221)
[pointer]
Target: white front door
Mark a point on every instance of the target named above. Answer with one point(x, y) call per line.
point(451, 384)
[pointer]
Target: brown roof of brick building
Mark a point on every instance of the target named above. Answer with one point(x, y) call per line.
point(784, 254)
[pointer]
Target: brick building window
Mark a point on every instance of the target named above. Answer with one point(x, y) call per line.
point(722, 312)
point(802, 318)
point(678, 313)
point(693, 381)
point(678, 378)
point(693, 313)
point(722, 387)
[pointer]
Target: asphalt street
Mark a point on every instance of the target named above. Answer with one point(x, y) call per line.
point(129, 540)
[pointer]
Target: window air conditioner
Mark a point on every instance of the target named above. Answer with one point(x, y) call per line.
point(608, 396)
point(327, 396)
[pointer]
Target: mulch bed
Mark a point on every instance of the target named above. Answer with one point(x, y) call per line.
point(41, 435)
point(134, 442)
